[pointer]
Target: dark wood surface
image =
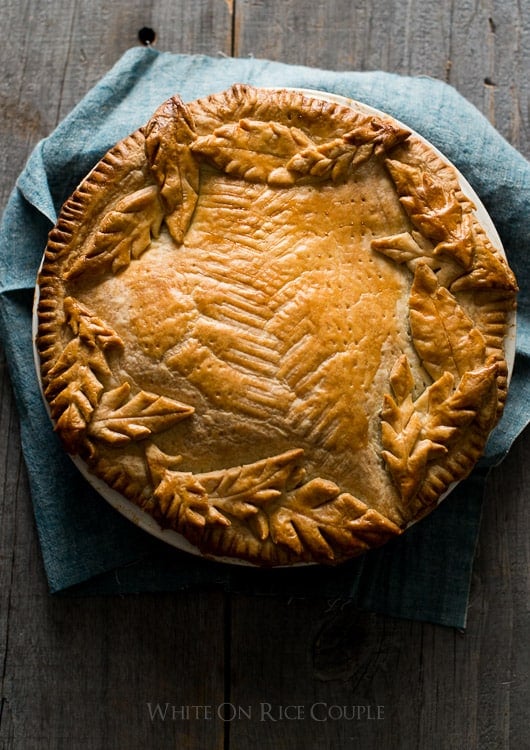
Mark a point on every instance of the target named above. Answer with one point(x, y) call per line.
point(85, 673)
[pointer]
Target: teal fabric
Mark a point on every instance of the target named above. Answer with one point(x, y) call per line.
point(86, 546)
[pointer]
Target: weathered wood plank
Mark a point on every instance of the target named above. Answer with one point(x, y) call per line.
point(80, 673)
point(489, 64)
point(54, 52)
point(411, 37)
point(499, 610)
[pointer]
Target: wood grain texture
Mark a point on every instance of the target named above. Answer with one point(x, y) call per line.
point(54, 52)
point(80, 673)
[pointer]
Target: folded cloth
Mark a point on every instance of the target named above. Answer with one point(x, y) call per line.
point(87, 546)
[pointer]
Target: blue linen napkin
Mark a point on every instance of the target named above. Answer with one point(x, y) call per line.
point(88, 547)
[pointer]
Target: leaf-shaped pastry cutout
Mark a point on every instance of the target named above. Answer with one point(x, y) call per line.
point(412, 433)
point(331, 160)
point(381, 134)
point(168, 139)
point(124, 234)
point(73, 393)
point(74, 384)
point(77, 363)
point(415, 433)
point(258, 482)
point(251, 149)
point(74, 360)
point(489, 271)
point(89, 328)
point(444, 336)
point(313, 519)
point(435, 210)
point(182, 501)
point(407, 247)
point(336, 158)
point(320, 519)
point(254, 484)
point(238, 492)
point(120, 419)
point(474, 408)
point(407, 454)
point(280, 155)
point(476, 397)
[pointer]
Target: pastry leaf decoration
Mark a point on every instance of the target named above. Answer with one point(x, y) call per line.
point(435, 210)
point(407, 444)
point(89, 328)
point(79, 401)
point(271, 498)
point(75, 380)
point(251, 149)
point(184, 502)
point(415, 433)
point(489, 271)
point(410, 248)
point(74, 391)
point(119, 418)
point(280, 155)
point(237, 492)
point(444, 336)
point(321, 519)
point(447, 239)
point(168, 139)
point(124, 234)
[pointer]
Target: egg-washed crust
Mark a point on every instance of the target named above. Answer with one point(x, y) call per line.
point(264, 371)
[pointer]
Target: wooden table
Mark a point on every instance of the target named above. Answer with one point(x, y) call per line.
point(238, 672)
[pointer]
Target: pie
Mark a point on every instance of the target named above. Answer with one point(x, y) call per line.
point(275, 324)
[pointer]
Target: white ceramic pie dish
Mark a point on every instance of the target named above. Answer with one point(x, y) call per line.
point(142, 519)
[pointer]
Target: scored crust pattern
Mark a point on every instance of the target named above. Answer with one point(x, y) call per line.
point(442, 389)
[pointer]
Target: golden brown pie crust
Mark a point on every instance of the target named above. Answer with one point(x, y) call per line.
point(275, 324)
